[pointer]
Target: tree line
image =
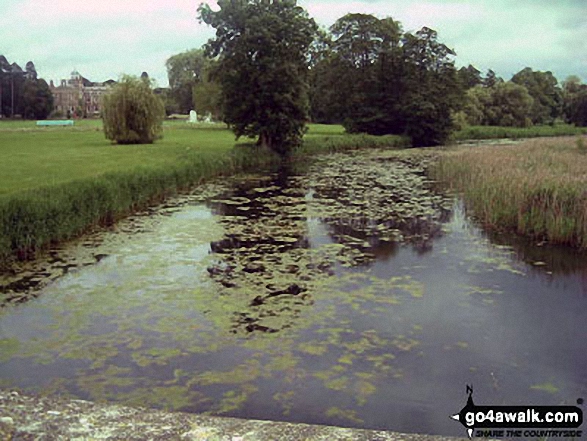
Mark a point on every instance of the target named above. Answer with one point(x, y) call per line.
point(22, 92)
point(270, 69)
point(528, 98)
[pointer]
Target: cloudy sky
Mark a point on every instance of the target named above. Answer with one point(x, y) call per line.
point(105, 38)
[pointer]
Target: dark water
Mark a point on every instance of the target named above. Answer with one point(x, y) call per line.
point(308, 299)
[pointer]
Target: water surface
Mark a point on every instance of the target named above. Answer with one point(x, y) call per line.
point(353, 294)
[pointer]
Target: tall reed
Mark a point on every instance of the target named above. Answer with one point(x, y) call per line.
point(537, 188)
point(495, 132)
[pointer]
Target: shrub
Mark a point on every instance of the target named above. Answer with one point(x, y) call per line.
point(132, 113)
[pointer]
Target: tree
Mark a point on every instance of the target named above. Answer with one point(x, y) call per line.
point(31, 71)
point(379, 80)
point(366, 75)
point(4, 85)
point(16, 76)
point(575, 101)
point(478, 105)
point(262, 48)
point(571, 85)
point(207, 93)
point(184, 71)
point(164, 93)
point(469, 77)
point(326, 99)
point(511, 105)
point(491, 79)
point(504, 104)
point(543, 87)
point(361, 38)
point(578, 108)
point(132, 113)
point(36, 99)
point(12, 81)
point(433, 91)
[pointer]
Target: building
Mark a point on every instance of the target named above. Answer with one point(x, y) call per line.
point(79, 97)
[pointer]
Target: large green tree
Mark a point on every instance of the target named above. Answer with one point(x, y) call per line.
point(36, 99)
point(325, 95)
point(368, 74)
point(478, 101)
point(433, 91)
point(22, 93)
point(505, 104)
point(511, 105)
point(376, 79)
point(543, 87)
point(575, 101)
point(184, 71)
point(4, 85)
point(15, 80)
point(262, 48)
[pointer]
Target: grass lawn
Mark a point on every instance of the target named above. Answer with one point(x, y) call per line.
point(34, 157)
point(44, 156)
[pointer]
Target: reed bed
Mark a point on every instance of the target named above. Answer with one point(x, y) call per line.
point(494, 132)
point(537, 188)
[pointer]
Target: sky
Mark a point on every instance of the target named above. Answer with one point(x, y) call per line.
point(103, 39)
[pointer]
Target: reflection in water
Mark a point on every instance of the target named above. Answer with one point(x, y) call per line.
point(313, 298)
point(368, 205)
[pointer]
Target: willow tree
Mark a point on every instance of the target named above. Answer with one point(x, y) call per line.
point(132, 113)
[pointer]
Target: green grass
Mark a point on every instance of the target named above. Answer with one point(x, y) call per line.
point(36, 158)
point(56, 183)
point(493, 132)
point(537, 188)
point(325, 130)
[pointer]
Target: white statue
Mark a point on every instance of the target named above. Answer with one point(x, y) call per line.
point(208, 118)
point(193, 119)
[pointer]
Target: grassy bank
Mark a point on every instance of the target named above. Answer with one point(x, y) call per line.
point(55, 184)
point(493, 132)
point(537, 188)
point(38, 158)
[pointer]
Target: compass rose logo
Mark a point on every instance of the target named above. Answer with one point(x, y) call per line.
point(468, 409)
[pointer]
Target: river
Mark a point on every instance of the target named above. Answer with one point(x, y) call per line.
point(354, 293)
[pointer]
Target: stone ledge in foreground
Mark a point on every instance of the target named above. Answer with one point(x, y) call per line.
point(27, 416)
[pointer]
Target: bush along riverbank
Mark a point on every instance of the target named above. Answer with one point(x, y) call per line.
point(32, 220)
point(537, 188)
